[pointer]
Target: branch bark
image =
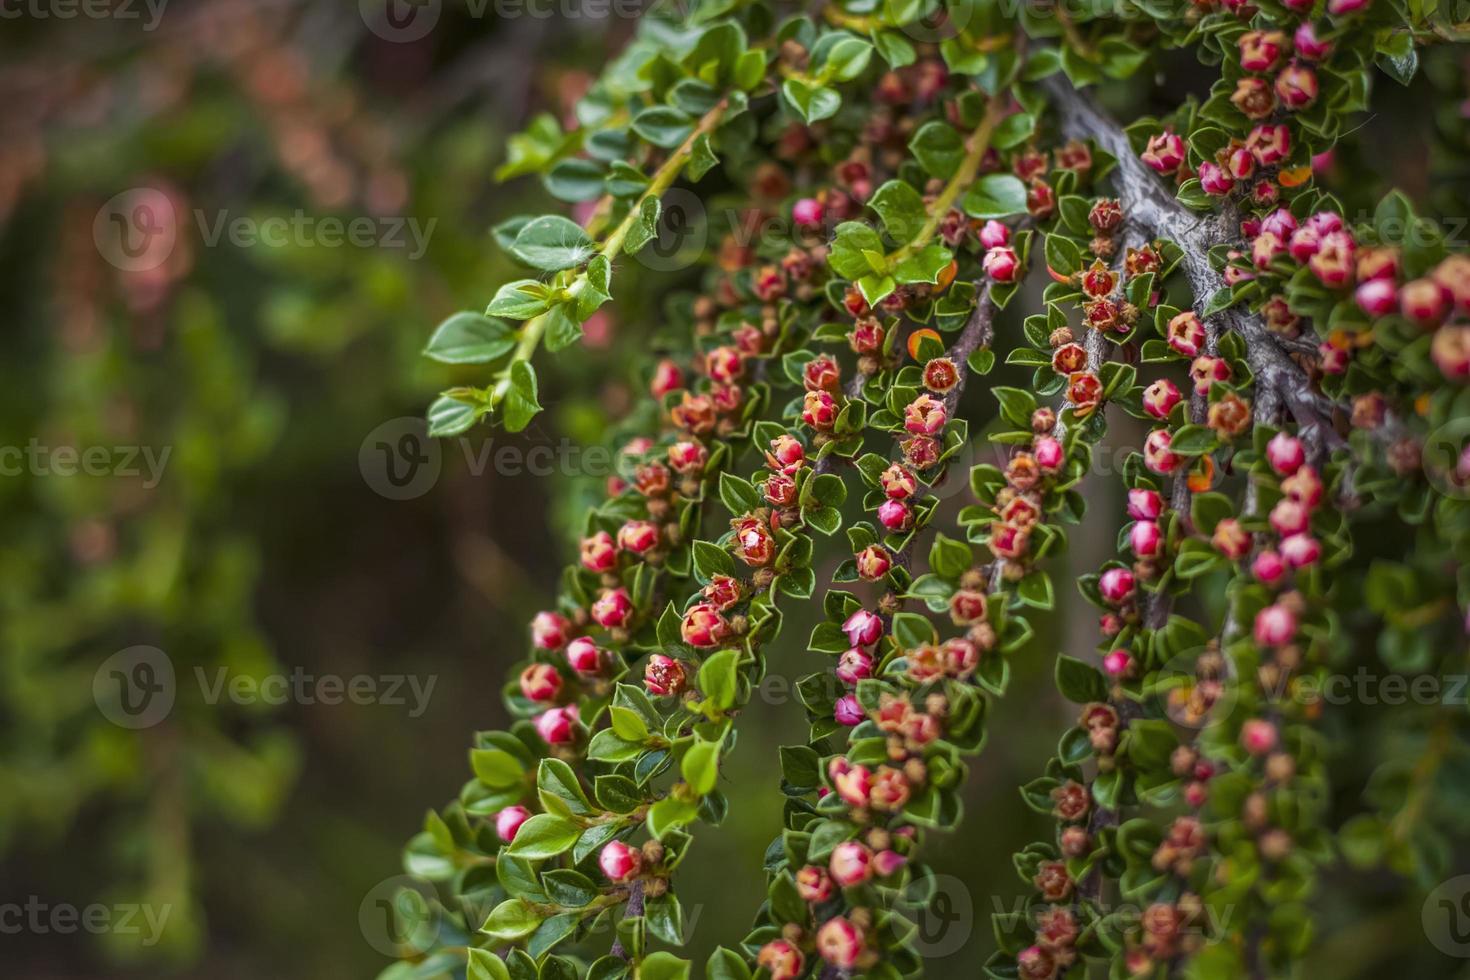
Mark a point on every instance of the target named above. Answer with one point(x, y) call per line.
point(1150, 205)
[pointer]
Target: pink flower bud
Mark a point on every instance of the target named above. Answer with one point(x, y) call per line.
point(663, 676)
point(509, 820)
point(886, 864)
point(1280, 223)
point(1275, 626)
point(1268, 568)
point(894, 515)
point(638, 537)
point(1260, 50)
point(612, 609)
point(850, 864)
point(557, 726)
point(1160, 398)
point(807, 213)
point(1001, 264)
point(1232, 541)
point(847, 711)
point(549, 630)
point(898, 482)
point(1145, 504)
point(1116, 586)
point(783, 960)
point(619, 861)
point(1285, 453)
point(873, 562)
point(1117, 662)
point(1296, 86)
point(1424, 301)
point(688, 457)
point(925, 415)
point(1156, 454)
point(840, 942)
point(1164, 153)
point(1214, 180)
point(852, 783)
point(1146, 540)
point(1333, 262)
point(1308, 45)
point(1377, 297)
point(540, 682)
point(1339, 8)
point(1269, 144)
point(703, 626)
point(1258, 736)
point(599, 552)
point(667, 377)
point(993, 234)
point(583, 656)
point(854, 665)
point(1186, 334)
point(1304, 486)
point(1289, 517)
point(1049, 454)
point(863, 628)
point(814, 885)
point(1300, 550)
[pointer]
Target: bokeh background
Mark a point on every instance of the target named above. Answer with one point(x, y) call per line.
point(207, 385)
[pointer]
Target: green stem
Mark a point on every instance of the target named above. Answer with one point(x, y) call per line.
point(663, 179)
point(968, 170)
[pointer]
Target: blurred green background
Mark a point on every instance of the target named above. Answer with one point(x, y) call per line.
point(146, 154)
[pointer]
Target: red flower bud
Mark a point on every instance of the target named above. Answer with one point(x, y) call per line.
point(1002, 265)
point(666, 378)
point(1164, 153)
point(722, 592)
point(688, 457)
point(1145, 504)
point(925, 415)
point(509, 820)
point(557, 726)
point(612, 609)
point(664, 676)
point(993, 235)
point(599, 552)
point(819, 410)
point(781, 959)
point(540, 682)
point(822, 374)
point(619, 861)
point(703, 626)
point(873, 562)
point(1186, 333)
point(854, 665)
point(1160, 398)
point(894, 515)
point(1285, 453)
point(840, 943)
point(584, 656)
point(1230, 539)
point(549, 630)
point(1116, 586)
point(639, 537)
point(1275, 626)
point(1156, 454)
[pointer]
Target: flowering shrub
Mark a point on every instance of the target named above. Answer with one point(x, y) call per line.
point(907, 176)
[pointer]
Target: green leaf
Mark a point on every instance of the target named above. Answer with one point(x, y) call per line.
point(512, 919)
point(558, 788)
point(485, 965)
point(949, 558)
point(469, 338)
point(701, 766)
point(718, 676)
point(496, 768)
point(520, 300)
point(663, 126)
point(1013, 131)
point(845, 60)
point(1078, 682)
point(901, 210)
point(569, 889)
point(850, 248)
point(925, 266)
point(995, 196)
point(812, 103)
point(449, 416)
point(725, 964)
point(939, 149)
point(521, 405)
point(738, 494)
point(1035, 590)
point(663, 966)
point(544, 835)
point(552, 243)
